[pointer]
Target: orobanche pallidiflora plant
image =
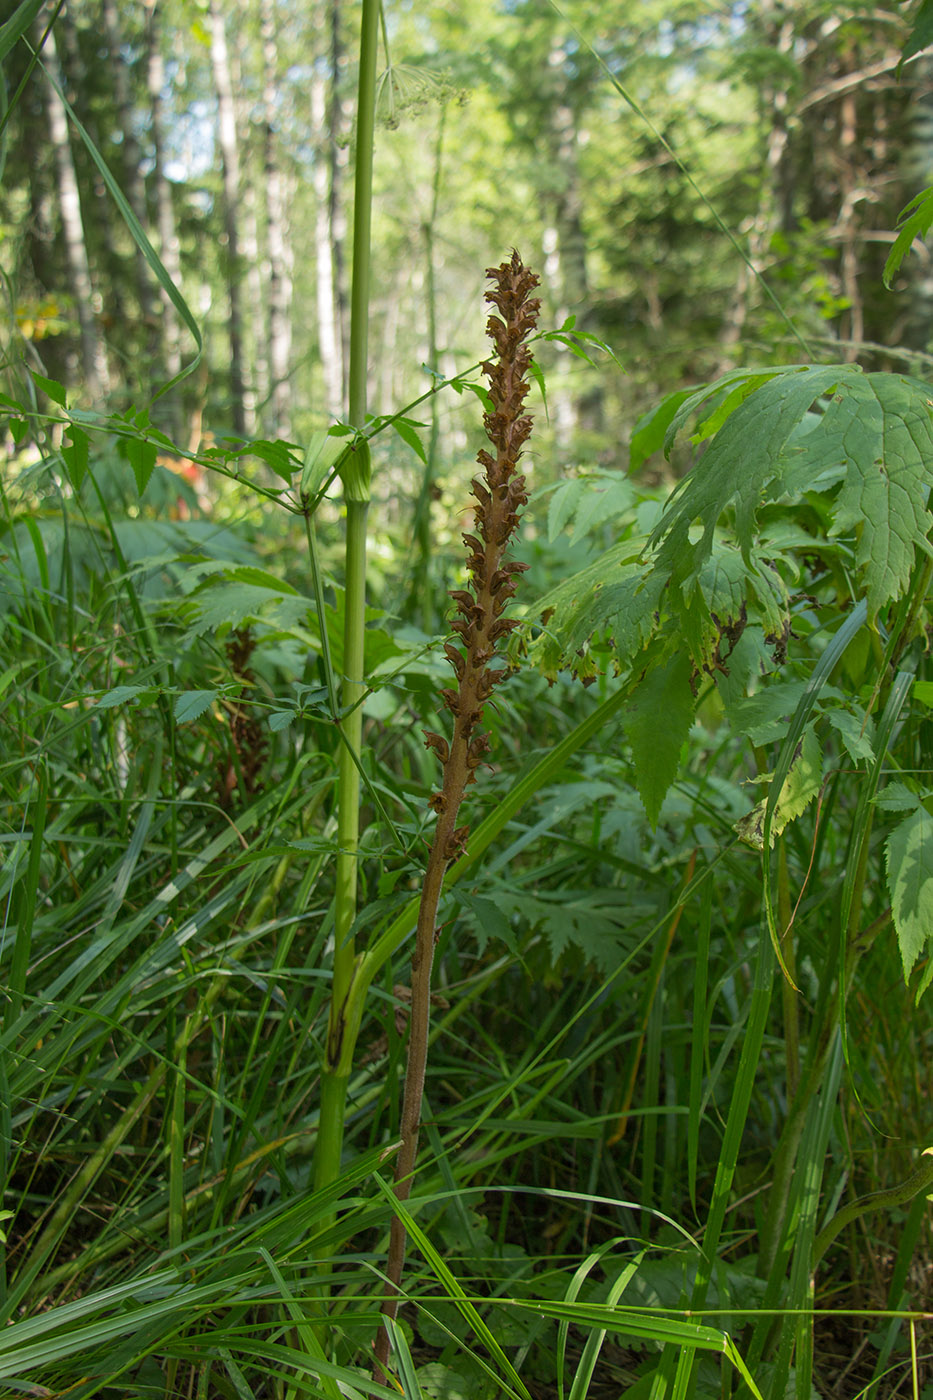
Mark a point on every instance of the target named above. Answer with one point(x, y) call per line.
point(480, 625)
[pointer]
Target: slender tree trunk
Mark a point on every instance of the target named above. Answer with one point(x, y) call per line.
point(134, 182)
point(254, 310)
point(169, 246)
point(328, 318)
point(853, 321)
point(230, 157)
point(776, 206)
point(420, 601)
point(339, 128)
point(278, 251)
point(918, 162)
point(325, 119)
point(565, 247)
point(93, 352)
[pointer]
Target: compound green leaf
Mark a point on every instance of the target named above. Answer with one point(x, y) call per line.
point(909, 854)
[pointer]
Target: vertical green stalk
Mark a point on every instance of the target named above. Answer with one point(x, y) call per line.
point(355, 476)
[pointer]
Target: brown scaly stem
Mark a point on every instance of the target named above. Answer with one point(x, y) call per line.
point(480, 625)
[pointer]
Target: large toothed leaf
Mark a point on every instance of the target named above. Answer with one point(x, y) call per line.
point(909, 854)
point(615, 595)
point(656, 723)
point(879, 426)
point(737, 466)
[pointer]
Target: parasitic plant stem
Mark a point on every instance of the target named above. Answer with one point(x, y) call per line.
point(480, 625)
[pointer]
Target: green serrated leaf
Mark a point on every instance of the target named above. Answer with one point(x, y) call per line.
point(120, 695)
point(562, 505)
point(897, 797)
point(618, 591)
point(909, 856)
point(75, 455)
point(52, 388)
point(764, 717)
point(880, 425)
point(651, 428)
point(233, 604)
point(192, 704)
point(801, 785)
point(141, 456)
point(407, 431)
point(855, 731)
point(603, 500)
point(281, 719)
point(277, 455)
point(656, 723)
point(488, 921)
point(913, 222)
point(921, 36)
point(737, 466)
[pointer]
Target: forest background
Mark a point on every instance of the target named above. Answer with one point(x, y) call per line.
point(678, 1084)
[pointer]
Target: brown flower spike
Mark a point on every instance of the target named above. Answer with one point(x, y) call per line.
point(479, 625)
point(499, 495)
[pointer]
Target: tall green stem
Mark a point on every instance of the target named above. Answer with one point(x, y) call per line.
point(355, 476)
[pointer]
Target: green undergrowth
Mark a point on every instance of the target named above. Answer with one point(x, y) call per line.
point(168, 854)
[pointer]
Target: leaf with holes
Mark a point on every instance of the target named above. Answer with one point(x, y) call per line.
point(801, 785)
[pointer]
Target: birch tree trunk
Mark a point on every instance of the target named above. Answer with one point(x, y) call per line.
point(230, 157)
point(324, 118)
point(278, 251)
point(134, 183)
point(93, 352)
point(169, 246)
point(565, 245)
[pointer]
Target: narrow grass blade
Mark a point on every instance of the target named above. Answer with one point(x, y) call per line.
point(698, 1038)
point(594, 1342)
point(405, 1365)
point(26, 903)
point(303, 1327)
point(818, 678)
point(455, 1293)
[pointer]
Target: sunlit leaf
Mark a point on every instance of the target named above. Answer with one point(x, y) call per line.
point(798, 790)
